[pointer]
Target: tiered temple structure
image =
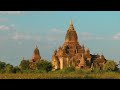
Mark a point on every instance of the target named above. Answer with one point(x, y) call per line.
point(35, 58)
point(71, 53)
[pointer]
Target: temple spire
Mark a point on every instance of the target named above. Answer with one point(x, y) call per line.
point(71, 35)
point(71, 22)
point(82, 61)
point(71, 27)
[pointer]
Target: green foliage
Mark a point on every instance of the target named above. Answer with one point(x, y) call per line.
point(96, 70)
point(8, 68)
point(44, 65)
point(24, 65)
point(110, 66)
point(2, 65)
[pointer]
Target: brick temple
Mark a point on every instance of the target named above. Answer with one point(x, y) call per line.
point(71, 53)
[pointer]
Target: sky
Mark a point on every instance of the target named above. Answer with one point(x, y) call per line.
point(21, 31)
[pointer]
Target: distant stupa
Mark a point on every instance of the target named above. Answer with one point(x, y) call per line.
point(35, 58)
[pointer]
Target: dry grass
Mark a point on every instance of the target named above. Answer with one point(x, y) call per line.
point(107, 75)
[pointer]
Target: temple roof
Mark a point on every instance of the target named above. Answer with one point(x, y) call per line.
point(36, 54)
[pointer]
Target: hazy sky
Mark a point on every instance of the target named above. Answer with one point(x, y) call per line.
point(21, 31)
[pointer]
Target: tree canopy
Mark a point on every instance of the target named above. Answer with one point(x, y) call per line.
point(44, 65)
point(110, 66)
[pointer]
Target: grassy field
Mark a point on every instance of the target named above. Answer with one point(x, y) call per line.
point(107, 75)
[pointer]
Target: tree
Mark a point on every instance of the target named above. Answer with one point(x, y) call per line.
point(2, 65)
point(8, 68)
point(44, 65)
point(24, 65)
point(110, 66)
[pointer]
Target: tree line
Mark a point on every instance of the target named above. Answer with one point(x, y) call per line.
point(45, 66)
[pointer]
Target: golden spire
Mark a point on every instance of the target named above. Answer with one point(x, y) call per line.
point(71, 27)
point(71, 22)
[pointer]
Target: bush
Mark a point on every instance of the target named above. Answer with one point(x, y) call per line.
point(110, 66)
